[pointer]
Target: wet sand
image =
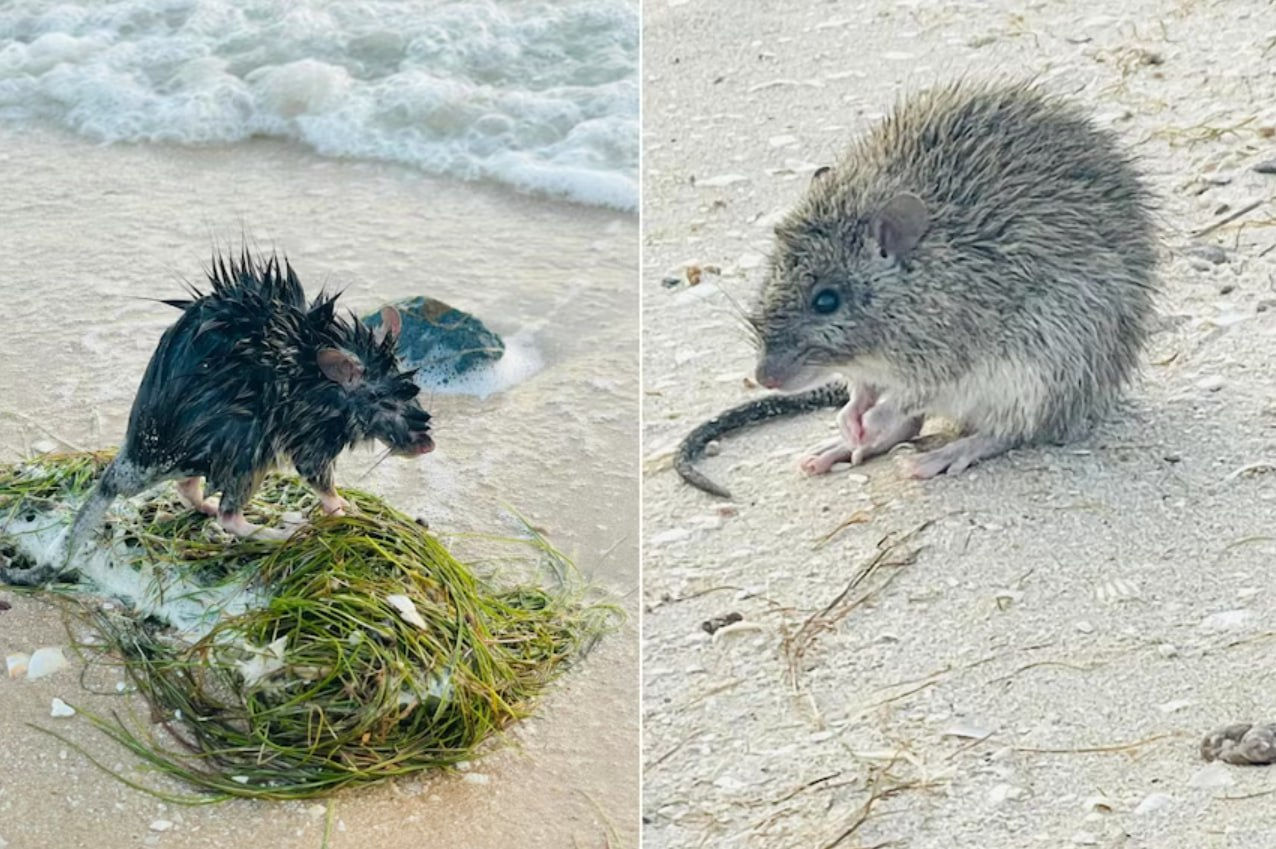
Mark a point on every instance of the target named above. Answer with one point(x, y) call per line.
point(92, 233)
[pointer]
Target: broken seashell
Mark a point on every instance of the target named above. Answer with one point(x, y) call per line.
point(16, 664)
point(45, 662)
point(1153, 802)
point(407, 610)
point(264, 662)
point(1116, 590)
point(1211, 777)
point(969, 730)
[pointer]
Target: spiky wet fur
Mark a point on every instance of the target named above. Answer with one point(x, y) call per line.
point(234, 388)
point(1022, 311)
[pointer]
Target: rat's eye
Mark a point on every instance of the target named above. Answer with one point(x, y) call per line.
point(826, 301)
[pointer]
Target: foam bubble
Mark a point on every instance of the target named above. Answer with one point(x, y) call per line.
point(191, 609)
point(540, 96)
point(520, 361)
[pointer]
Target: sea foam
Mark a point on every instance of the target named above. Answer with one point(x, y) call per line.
point(542, 96)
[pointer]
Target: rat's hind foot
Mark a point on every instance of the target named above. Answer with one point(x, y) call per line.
point(957, 456)
point(190, 491)
point(333, 504)
point(822, 457)
point(236, 524)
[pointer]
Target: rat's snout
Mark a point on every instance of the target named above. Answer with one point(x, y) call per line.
point(414, 445)
point(422, 443)
point(776, 369)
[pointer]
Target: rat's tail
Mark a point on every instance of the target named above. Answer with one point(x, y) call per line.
point(109, 487)
point(835, 393)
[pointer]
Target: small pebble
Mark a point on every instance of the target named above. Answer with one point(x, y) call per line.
point(1211, 777)
point(670, 536)
point(477, 778)
point(1212, 254)
point(161, 825)
point(43, 446)
point(1167, 650)
point(1225, 620)
point(1267, 166)
point(1084, 627)
point(1153, 802)
point(1085, 838)
point(721, 180)
point(1004, 792)
point(1099, 803)
point(712, 448)
point(61, 709)
point(1213, 383)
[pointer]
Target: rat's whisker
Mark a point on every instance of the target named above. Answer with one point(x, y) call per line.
point(378, 462)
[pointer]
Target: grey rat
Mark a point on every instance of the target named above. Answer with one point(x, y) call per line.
point(984, 254)
point(251, 376)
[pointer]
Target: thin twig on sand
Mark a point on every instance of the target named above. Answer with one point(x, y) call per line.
point(890, 553)
point(1223, 222)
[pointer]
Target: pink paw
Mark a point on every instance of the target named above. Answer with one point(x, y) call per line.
point(333, 504)
point(824, 456)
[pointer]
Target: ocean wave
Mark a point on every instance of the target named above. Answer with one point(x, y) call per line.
point(542, 96)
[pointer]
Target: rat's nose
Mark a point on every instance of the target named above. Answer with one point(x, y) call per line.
point(772, 370)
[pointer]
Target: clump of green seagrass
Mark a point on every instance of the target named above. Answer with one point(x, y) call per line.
point(373, 654)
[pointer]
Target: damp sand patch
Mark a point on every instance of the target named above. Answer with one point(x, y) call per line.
point(359, 650)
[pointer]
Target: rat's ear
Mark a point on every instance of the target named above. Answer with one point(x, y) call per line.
point(391, 324)
point(900, 224)
point(819, 175)
point(340, 367)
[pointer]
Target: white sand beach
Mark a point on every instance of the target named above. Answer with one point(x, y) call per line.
point(92, 233)
point(1037, 666)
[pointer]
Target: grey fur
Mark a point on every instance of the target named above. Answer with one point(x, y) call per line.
point(1021, 310)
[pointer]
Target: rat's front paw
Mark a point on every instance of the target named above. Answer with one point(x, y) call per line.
point(851, 418)
point(884, 427)
point(823, 457)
